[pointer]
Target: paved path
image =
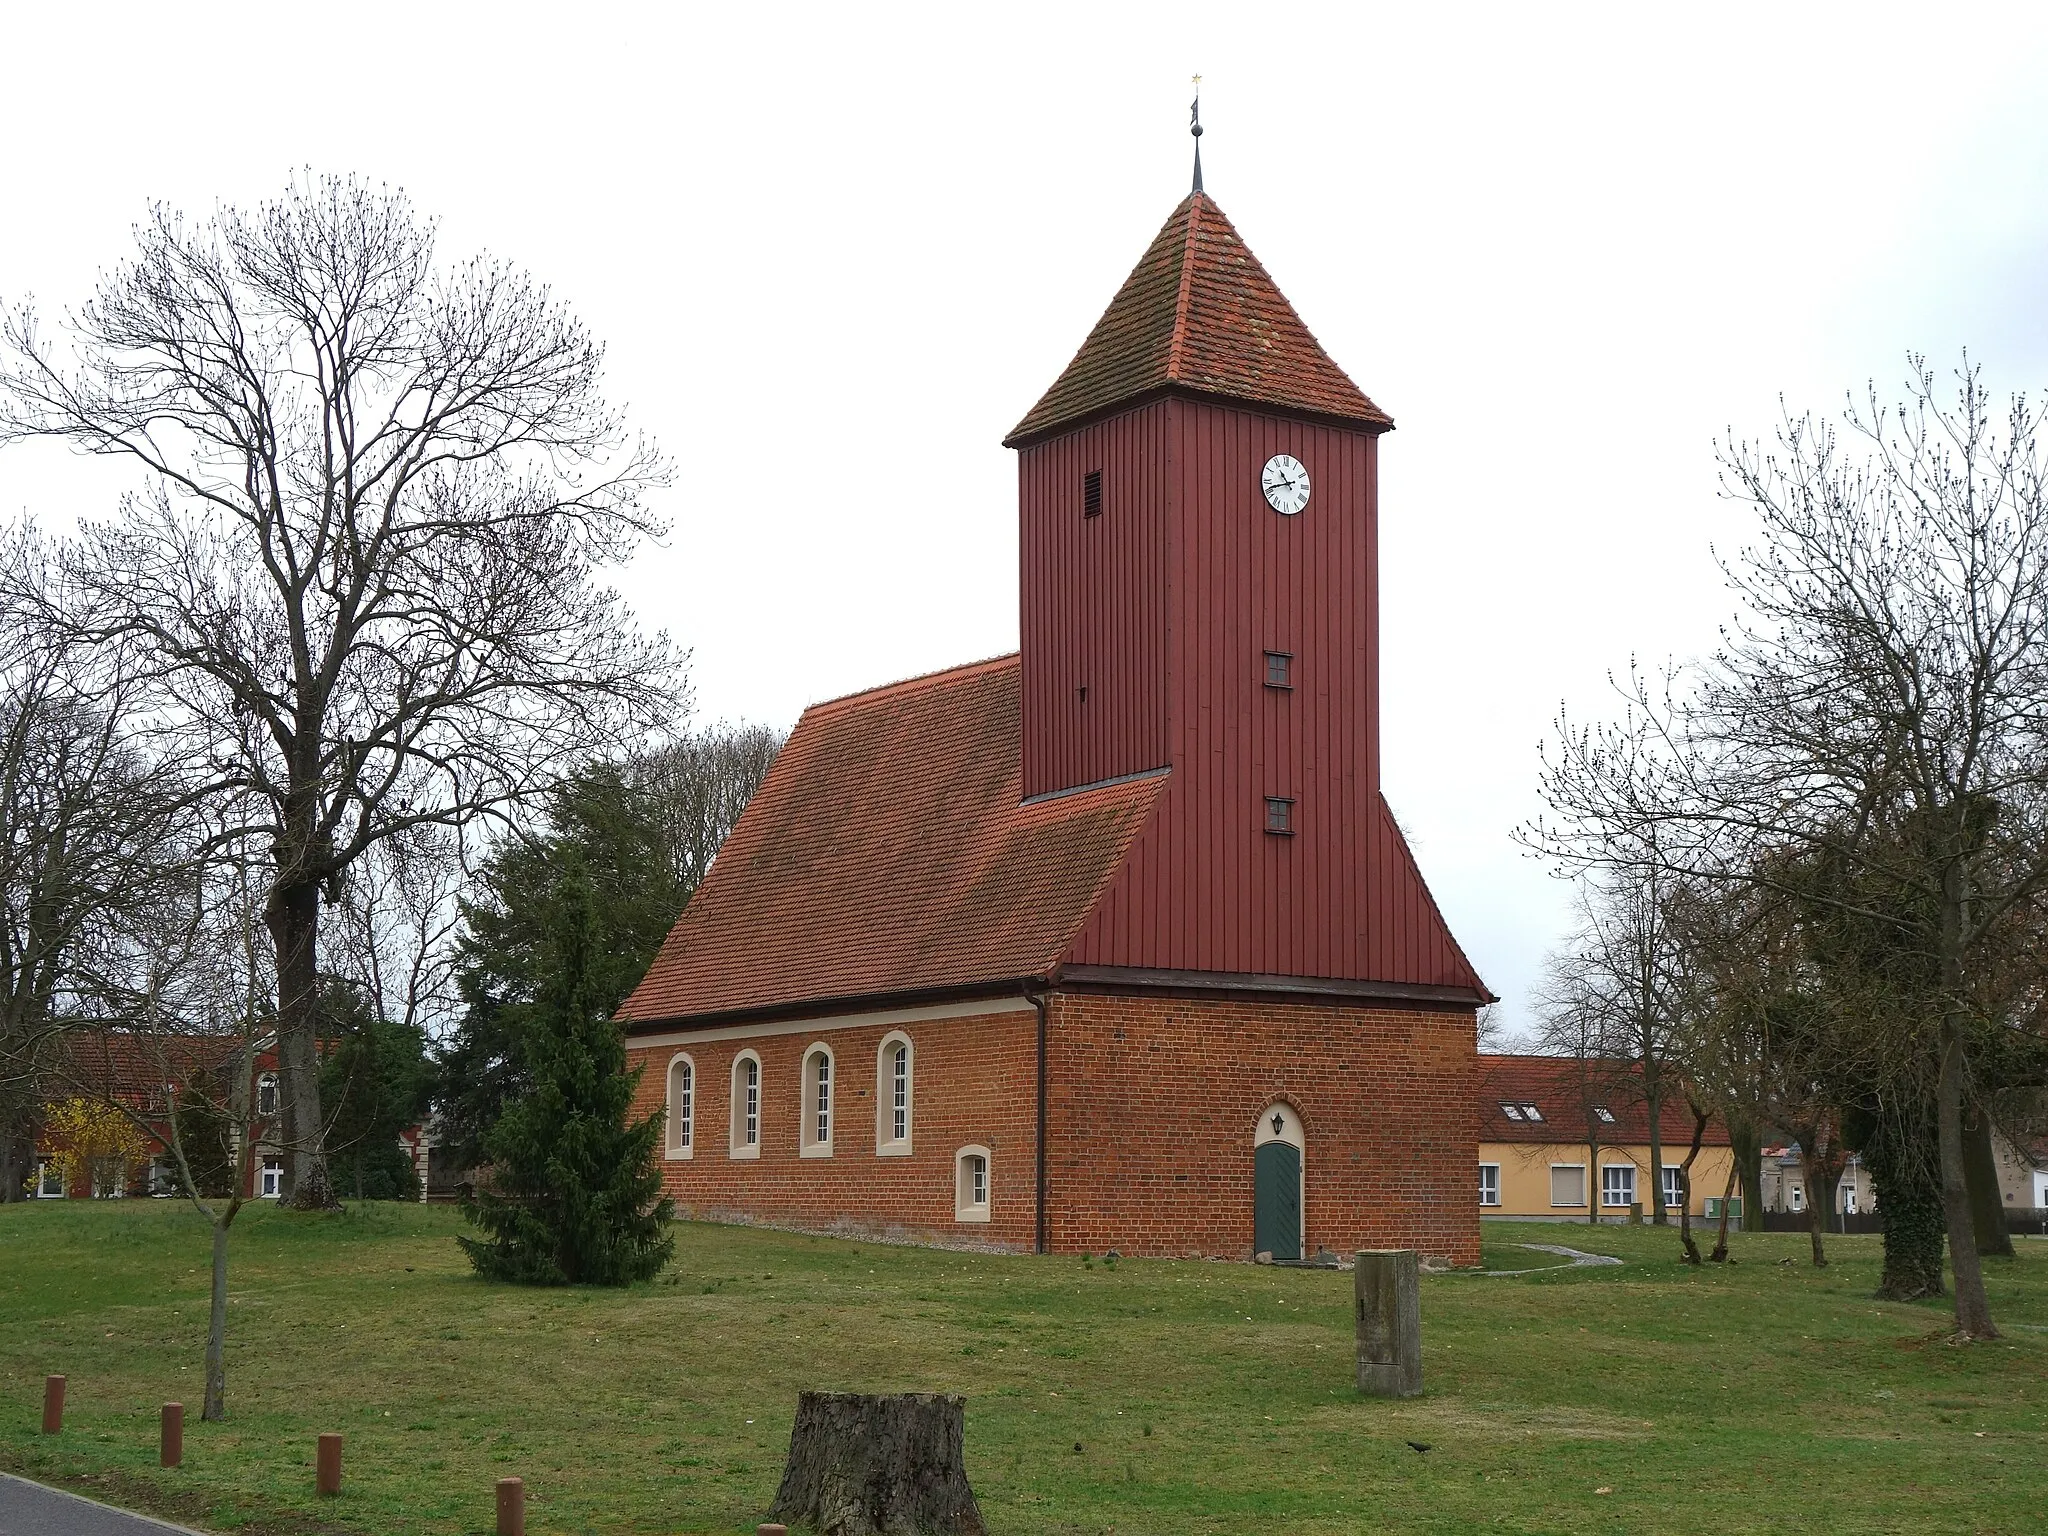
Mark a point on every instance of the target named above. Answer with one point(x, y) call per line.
point(1577, 1258)
point(30, 1509)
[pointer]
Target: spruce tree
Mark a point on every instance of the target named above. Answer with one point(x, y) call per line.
point(572, 1194)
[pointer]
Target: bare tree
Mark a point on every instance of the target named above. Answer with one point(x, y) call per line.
point(361, 567)
point(1880, 708)
point(83, 821)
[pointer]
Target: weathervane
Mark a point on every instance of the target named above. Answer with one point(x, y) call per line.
point(1195, 128)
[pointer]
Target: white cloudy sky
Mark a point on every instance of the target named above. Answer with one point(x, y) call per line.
point(837, 251)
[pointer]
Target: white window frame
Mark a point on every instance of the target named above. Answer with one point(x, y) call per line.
point(270, 1179)
point(1568, 1205)
point(887, 1142)
point(682, 1109)
point(1848, 1199)
point(1489, 1188)
point(965, 1207)
point(739, 1144)
point(49, 1179)
point(1674, 1186)
point(1625, 1178)
point(817, 1110)
point(266, 1083)
point(1795, 1194)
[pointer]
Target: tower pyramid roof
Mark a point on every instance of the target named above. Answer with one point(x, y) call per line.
point(1199, 313)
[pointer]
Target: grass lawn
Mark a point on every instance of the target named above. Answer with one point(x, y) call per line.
point(1147, 1397)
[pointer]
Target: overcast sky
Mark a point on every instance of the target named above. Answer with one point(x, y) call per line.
point(837, 252)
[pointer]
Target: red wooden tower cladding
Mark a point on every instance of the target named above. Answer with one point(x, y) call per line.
point(1174, 621)
point(1112, 943)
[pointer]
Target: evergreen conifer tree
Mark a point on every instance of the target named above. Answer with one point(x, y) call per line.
point(572, 1195)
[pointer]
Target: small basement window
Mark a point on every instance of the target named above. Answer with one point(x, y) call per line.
point(1279, 816)
point(1279, 669)
point(1091, 493)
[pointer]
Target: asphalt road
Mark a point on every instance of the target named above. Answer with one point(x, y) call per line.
point(30, 1509)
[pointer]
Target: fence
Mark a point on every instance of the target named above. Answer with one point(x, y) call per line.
point(2020, 1223)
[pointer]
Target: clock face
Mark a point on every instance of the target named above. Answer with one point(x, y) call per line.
point(1285, 482)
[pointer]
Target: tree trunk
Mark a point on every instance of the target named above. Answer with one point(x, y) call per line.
point(1980, 1172)
point(13, 1171)
point(866, 1465)
point(1654, 1094)
point(1699, 1131)
point(216, 1404)
point(1747, 1144)
point(1973, 1307)
point(1901, 1159)
point(293, 917)
point(1720, 1253)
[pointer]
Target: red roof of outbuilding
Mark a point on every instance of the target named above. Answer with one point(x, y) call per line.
point(888, 852)
point(1565, 1090)
point(1198, 312)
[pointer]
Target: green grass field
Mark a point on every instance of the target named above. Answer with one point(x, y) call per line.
point(1144, 1397)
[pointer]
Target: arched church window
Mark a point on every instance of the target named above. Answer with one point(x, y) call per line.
point(682, 1107)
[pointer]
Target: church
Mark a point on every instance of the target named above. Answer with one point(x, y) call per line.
point(1111, 943)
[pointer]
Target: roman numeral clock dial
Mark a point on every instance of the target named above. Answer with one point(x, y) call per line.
point(1285, 482)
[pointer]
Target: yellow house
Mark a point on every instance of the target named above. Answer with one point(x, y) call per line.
point(1562, 1138)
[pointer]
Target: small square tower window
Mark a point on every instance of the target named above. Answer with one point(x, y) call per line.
point(1279, 669)
point(1279, 816)
point(1091, 493)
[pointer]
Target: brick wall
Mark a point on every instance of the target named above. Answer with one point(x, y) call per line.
point(973, 1084)
point(1155, 1102)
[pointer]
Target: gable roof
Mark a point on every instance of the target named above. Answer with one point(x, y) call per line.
point(1199, 312)
point(1565, 1090)
point(887, 851)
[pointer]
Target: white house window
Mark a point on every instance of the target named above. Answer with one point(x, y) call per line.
point(111, 1186)
point(1674, 1187)
point(1795, 1194)
point(1618, 1184)
point(1489, 1183)
point(1848, 1199)
point(895, 1096)
point(266, 1094)
point(682, 1107)
point(273, 1177)
point(817, 1102)
point(971, 1187)
point(49, 1181)
point(746, 1105)
point(1567, 1184)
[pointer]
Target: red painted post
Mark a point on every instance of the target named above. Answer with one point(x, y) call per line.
point(511, 1506)
point(328, 1473)
point(53, 1405)
point(771, 1530)
point(173, 1438)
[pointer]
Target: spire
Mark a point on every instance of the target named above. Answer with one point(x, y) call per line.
point(1199, 315)
point(1195, 128)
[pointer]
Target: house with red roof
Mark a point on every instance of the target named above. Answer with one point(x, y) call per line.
point(1566, 1138)
point(1111, 943)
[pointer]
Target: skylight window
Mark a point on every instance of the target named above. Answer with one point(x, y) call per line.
point(1531, 1112)
point(1603, 1114)
point(1509, 1110)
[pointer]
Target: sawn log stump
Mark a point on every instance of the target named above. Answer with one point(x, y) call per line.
point(878, 1465)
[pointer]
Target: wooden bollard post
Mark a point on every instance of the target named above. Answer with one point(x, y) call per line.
point(511, 1506)
point(771, 1530)
point(327, 1473)
point(1389, 1323)
point(172, 1450)
point(53, 1405)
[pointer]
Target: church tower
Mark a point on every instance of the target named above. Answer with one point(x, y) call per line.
point(1199, 500)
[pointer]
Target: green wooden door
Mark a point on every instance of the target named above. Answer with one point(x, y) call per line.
point(1276, 1200)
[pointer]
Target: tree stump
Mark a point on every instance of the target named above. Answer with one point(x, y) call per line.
point(862, 1464)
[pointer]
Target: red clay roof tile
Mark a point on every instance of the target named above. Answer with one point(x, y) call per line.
point(887, 851)
point(1198, 312)
point(1566, 1091)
